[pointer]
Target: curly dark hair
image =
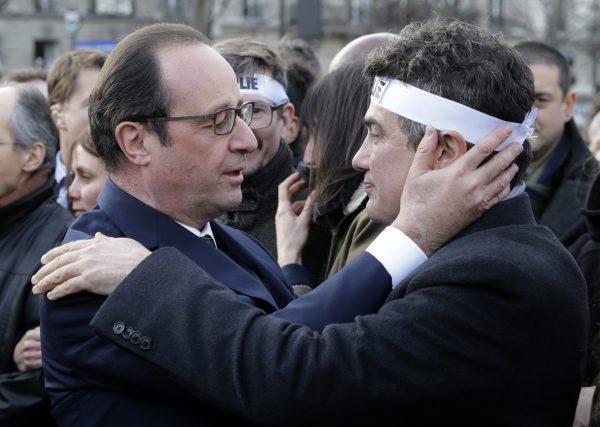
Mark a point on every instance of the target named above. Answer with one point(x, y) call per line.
point(461, 62)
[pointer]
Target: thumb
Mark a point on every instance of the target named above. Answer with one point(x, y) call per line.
point(309, 205)
point(425, 154)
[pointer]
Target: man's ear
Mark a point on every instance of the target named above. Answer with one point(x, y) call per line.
point(58, 116)
point(34, 157)
point(290, 135)
point(287, 115)
point(451, 145)
point(131, 138)
point(569, 104)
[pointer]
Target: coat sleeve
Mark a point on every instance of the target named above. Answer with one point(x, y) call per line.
point(75, 358)
point(360, 288)
point(270, 370)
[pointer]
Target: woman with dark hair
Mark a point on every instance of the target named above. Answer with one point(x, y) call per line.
point(333, 112)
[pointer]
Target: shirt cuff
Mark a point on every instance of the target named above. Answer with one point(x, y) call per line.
point(398, 254)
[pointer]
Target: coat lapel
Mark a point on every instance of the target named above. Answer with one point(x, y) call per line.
point(154, 229)
point(245, 252)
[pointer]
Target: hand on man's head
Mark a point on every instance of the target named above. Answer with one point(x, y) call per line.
point(437, 204)
point(97, 265)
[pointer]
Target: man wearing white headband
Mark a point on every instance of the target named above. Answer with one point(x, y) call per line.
point(261, 78)
point(486, 330)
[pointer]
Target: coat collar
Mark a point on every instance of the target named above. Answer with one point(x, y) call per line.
point(515, 211)
point(154, 230)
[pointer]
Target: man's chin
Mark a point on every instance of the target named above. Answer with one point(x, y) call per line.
point(379, 215)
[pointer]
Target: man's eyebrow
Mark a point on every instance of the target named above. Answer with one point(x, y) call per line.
point(223, 105)
point(369, 121)
point(542, 93)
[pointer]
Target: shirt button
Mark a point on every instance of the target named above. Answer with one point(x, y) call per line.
point(145, 343)
point(135, 338)
point(118, 328)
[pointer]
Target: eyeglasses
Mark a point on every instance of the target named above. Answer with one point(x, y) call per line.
point(222, 120)
point(262, 116)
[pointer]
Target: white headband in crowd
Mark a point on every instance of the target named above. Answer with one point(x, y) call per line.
point(263, 85)
point(444, 114)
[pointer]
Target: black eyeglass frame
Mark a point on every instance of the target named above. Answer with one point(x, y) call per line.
point(273, 109)
point(210, 117)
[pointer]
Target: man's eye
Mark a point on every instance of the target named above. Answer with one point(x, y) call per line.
point(259, 110)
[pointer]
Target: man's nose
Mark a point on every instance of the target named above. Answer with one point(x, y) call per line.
point(360, 161)
point(242, 138)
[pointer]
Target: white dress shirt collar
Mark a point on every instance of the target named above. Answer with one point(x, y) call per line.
point(206, 231)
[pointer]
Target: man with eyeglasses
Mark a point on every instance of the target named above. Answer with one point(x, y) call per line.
point(169, 121)
point(261, 78)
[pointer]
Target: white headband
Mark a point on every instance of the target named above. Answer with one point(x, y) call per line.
point(444, 114)
point(263, 85)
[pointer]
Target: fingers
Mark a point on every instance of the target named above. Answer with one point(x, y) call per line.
point(31, 346)
point(298, 206)
point(296, 187)
point(56, 263)
point(425, 154)
point(283, 191)
point(68, 287)
point(498, 189)
point(57, 277)
point(33, 361)
point(484, 148)
point(32, 334)
point(66, 248)
point(310, 204)
point(498, 164)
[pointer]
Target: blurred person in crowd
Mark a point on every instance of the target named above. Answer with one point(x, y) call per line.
point(360, 47)
point(333, 111)
point(70, 81)
point(89, 175)
point(261, 77)
point(35, 77)
point(302, 69)
point(586, 251)
point(466, 334)
point(594, 136)
point(168, 119)
point(558, 177)
point(31, 223)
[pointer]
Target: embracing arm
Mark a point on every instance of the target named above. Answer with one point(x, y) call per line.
point(234, 356)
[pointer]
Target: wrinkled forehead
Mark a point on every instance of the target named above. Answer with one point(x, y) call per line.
point(385, 119)
point(8, 95)
point(197, 79)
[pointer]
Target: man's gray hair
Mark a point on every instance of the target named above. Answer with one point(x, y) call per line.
point(31, 122)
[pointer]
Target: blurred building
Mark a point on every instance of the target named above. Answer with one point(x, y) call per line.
point(34, 32)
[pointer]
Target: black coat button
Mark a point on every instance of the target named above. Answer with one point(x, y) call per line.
point(145, 343)
point(128, 332)
point(118, 328)
point(136, 337)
